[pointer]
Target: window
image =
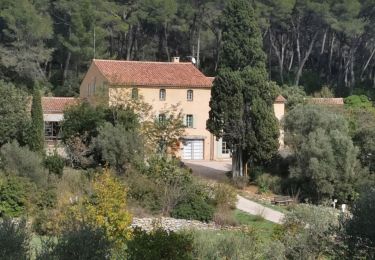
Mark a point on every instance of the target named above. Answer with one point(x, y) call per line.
point(224, 148)
point(189, 95)
point(189, 121)
point(162, 94)
point(162, 118)
point(134, 93)
point(51, 130)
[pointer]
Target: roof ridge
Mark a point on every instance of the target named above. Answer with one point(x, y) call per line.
point(141, 61)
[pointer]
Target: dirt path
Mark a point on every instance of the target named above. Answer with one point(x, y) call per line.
point(215, 170)
point(254, 208)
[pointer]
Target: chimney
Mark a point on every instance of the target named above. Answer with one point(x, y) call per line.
point(176, 59)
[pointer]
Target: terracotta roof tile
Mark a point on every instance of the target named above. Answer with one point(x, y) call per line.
point(326, 101)
point(147, 73)
point(57, 104)
point(280, 99)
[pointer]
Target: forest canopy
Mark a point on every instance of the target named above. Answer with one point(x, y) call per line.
point(307, 42)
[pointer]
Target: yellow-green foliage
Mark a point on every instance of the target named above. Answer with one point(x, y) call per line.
point(107, 208)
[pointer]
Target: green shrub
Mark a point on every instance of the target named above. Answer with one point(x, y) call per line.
point(266, 182)
point(21, 161)
point(84, 242)
point(14, 192)
point(195, 207)
point(159, 244)
point(360, 228)
point(240, 182)
point(225, 196)
point(118, 146)
point(14, 240)
point(226, 245)
point(54, 163)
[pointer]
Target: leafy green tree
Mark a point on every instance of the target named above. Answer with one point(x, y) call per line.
point(14, 122)
point(241, 99)
point(294, 95)
point(25, 31)
point(36, 136)
point(83, 121)
point(324, 158)
point(118, 146)
point(360, 227)
point(14, 239)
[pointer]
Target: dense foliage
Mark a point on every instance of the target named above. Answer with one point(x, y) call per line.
point(14, 239)
point(159, 244)
point(242, 97)
point(36, 133)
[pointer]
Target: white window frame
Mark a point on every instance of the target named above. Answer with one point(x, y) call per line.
point(190, 95)
point(189, 121)
point(162, 94)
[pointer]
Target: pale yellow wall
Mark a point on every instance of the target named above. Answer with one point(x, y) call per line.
point(279, 109)
point(93, 76)
point(199, 107)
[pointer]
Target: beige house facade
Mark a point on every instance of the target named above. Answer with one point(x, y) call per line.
point(163, 85)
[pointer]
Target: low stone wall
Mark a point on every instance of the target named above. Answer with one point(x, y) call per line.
point(172, 224)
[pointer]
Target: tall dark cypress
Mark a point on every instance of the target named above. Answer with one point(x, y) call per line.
point(242, 97)
point(36, 138)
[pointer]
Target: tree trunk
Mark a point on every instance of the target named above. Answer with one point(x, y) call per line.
point(166, 41)
point(237, 162)
point(303, 62)
point(367, 63)
point(198, 47)
point(66, 67)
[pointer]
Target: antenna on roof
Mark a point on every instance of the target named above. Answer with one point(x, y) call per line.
point(192, 59)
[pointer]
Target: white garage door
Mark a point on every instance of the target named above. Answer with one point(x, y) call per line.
point(193, 150)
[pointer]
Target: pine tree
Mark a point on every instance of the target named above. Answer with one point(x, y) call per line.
point(36, 138)
point(241, 100)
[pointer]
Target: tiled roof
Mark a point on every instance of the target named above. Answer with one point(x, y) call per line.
point(147, 73)
point(326, 101)
point(57, 104)
point(280, 99)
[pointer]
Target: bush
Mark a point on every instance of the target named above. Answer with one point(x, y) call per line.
point(118, 146)
point(14, 240)
point(54, 163)
point(226, 245)
point(14, 194)
point(84, 242)
point(195, 207)
point(307, 232)
point(266, 182)
point(225, 196)
point(21, 161)
point(360, 228)
point(159, 244)
point(240, 182)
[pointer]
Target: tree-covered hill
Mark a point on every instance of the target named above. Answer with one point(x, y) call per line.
point(308, 42)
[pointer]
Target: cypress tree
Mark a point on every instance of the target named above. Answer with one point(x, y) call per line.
point(36, 138)
point(242, 97)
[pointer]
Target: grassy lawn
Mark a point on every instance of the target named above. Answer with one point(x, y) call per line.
point(264, 228)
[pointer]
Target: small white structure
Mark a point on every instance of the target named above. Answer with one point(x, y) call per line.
point(53, 114)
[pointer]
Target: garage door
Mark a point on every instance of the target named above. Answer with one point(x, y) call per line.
point(193, 150)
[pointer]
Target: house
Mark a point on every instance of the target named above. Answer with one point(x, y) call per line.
point(53, 114)
point(163, 84)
